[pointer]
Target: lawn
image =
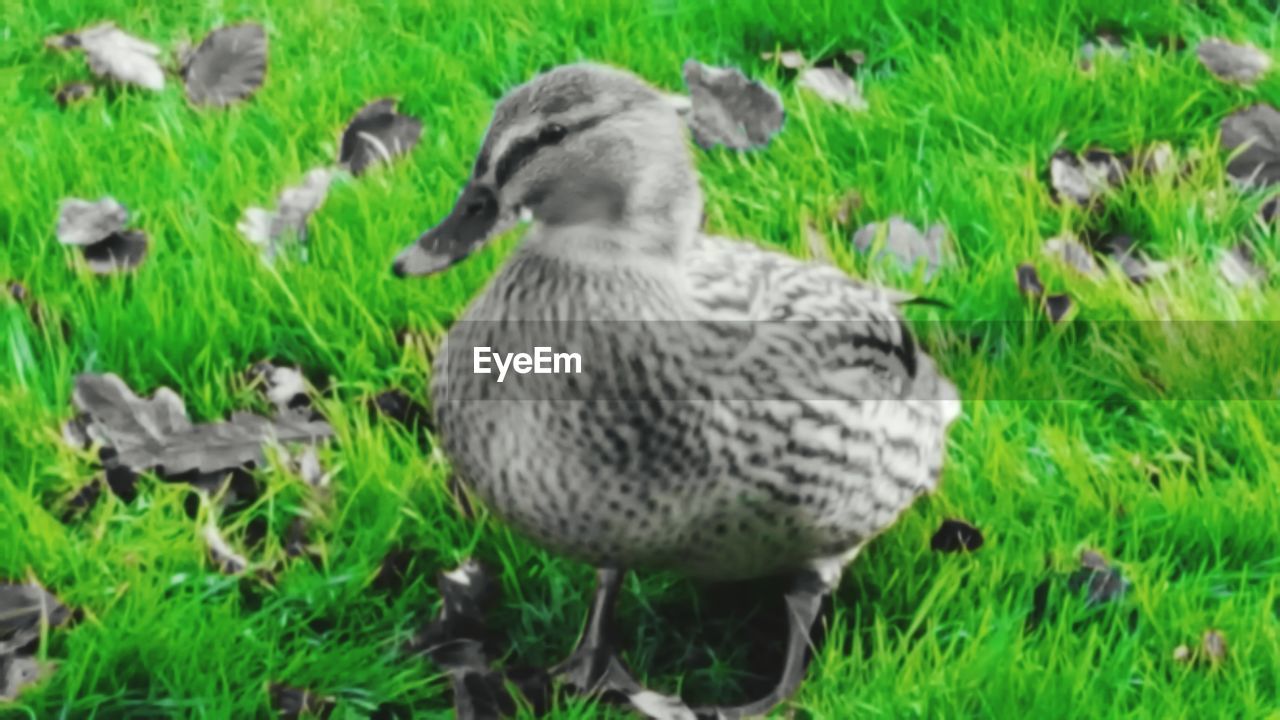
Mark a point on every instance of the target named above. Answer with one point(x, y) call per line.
point(1091, 434)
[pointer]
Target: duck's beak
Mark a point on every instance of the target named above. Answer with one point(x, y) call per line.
point(469, 224)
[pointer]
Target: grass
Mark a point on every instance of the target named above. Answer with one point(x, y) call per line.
point(968, 101)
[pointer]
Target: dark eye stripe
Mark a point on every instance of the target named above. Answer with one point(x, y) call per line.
point(523, 150)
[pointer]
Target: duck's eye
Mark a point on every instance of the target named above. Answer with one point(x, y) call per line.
point(552, 134)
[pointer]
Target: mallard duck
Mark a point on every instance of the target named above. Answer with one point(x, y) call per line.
point(741, 413)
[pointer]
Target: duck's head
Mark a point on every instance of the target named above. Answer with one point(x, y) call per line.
point(579, 145)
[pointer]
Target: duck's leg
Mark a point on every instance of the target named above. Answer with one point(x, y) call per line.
point(594, 664)
point(804, 603)
point(595, 668)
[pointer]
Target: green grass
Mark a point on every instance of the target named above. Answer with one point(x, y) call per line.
point(968, 101)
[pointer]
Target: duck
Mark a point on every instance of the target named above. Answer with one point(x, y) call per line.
point(738, 413)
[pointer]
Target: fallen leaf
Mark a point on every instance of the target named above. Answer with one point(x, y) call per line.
point(397, 405)
point(115, 54)
point(124, 250)
point(292, 702)
point(833, 85)
point(376, 134)
point(24, 611)
point(1057, 306)
point(729, 109)
point(156, 434)
point(817, 243)
point(284, 386)
point(1133, 262)
point(1252, 136)
point(229, 65)
point(790, 59)
point(272, 229)
point(1083, 179)
point(1104, 582)
point(1214, 646)
point(1182, 654)
point(905, 242)
point(72, 93)
point(224, 556)
point(850, 203)
point(1068, 250)
point(85, 222)
point(1238, 267)
point(956, 536)
point(1231, 62)
point(98, 229)
point(82, 500)
point(1029, 280)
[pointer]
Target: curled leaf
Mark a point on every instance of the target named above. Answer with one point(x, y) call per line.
point(834, 86)
point(1084, 179)
point(729, 109)
point(24, 611)
point(84, 222)
point(789, 59)
point(1214, 646)
point(1057, 306)
point(72, 93)
point(124, 250)
point(115, 54)
point(1135, 264)
point(1252, 136)
point(905, 242)
point(1071, 253)
point(1238, 267)
point(224, 556)
point(156, 434)
point(1104, 583)
point(271, 229)
point(1237, 63)
point(229, 65)
point(377, 134)
point(1028, 280)
point(956, 536)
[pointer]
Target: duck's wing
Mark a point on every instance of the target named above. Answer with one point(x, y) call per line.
point(838, 333)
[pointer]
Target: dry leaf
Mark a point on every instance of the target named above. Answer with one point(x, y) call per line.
point(155, 434)
point(376, 134)
point(72, 93)
point(817, 243)
point(1029, 280)
point(114, 54)
point(833, 85)
point(1104, 582)
point(789, 59)
point(229, 65)
point(24, 611)
point(85, 222)
point(1243, 64)
point(1238, 267)
point(905, 242)
point(224, 556)
point(1068, 250)
point(1057, 306)
point(730, 110)
point(1133, 263)
point(1084, 179)
point(98, 229)
point(1214, 646)
point(1252, 136)
point(956, 536)
point(272, 229)
point(124, 250)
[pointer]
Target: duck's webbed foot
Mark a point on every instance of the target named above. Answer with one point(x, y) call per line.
point(594, 667)
point(804, 603)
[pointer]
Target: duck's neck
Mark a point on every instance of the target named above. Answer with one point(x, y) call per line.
point(610, 246)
